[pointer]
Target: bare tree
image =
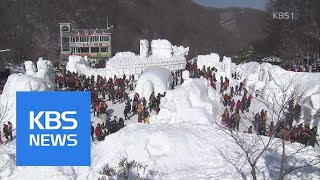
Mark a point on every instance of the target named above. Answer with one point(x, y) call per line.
point(251, 149)
point(278, 103)
point(276, 99)
point(315, 32)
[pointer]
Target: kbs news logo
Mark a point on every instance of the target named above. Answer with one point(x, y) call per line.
point(53, 129)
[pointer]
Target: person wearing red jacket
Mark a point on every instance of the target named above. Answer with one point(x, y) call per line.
point(140, 118)
point(157, 110)
point(249, 100)
point(98, 132)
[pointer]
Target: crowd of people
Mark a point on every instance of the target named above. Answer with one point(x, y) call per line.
point(235, 111)
point(235, 99)
point(115, 90)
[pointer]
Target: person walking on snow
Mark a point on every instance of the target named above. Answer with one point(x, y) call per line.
point(92, 131)
point(140, 118)
point(146, 119)
point(10, 130)
point(237, 121)
point(232, 104)
point(98, 132)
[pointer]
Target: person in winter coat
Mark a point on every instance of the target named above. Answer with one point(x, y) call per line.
point(249, 100)
point(231, 92)
point(121, 123)
point(231, 121)
point(146, 119)
point(97, 109)
point(140, 118)
point(313, 136)
point(98, 132)
point(0, 138)
point(139, 108)
point(144, 102)
point(250, 130)
point(10, 130)
point(92, 132)
point(238, 106)
point(237, 121)
point(232, 104)
point(225, 116)
point(236, 90)
point(126, 112)
point(5, 131)
point(157, 110)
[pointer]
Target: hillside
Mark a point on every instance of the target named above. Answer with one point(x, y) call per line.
point(30, 27)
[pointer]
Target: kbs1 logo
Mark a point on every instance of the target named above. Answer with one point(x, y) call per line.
point(53, 129)
point(282, 15)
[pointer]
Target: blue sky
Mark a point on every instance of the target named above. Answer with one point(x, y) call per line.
point(256, 4)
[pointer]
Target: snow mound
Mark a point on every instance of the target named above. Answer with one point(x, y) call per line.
point(154, 79)
point(41, 80)
point(194, 102)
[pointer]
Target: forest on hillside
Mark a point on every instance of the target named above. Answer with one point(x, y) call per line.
point(30, 27)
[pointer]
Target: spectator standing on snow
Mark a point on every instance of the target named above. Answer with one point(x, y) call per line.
point(121, 123)
point(249, 100)
point(10, 130)
point(0, 138)
point(126, 111)
point(98, 133)
point(236, 90)
point(232, 104)
point(313, 136)
point(231, 92)
point(250, 130)
point(146, 119)
point(238, 106)
point(140, 118)
point(237, 121)
point(92, 132)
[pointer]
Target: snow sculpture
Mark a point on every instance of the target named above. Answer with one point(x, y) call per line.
point(194, 102)
point(211, 60)
point(43, 80)
point(154, 79)
point(144, 48)
point(163, 54)
point(227, 66)
point(45, 70)
point(185, 75)
point(30, 67)
point(161, 48)
point(180, 51)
